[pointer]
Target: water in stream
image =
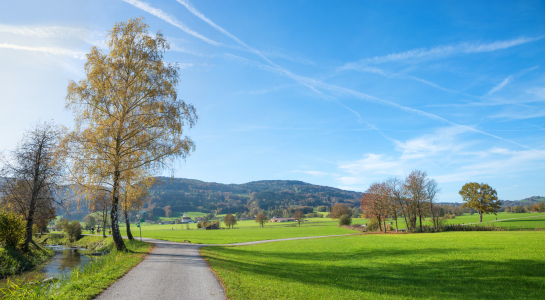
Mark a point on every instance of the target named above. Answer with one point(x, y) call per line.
point(64, 260)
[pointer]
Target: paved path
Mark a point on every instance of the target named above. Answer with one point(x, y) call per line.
point(502, 220)
point(174, 271)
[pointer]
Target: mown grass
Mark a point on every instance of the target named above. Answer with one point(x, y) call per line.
point(229, 236)
point(85, 282)
point(450, 265)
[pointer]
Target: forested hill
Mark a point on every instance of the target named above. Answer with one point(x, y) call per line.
point(190, 195)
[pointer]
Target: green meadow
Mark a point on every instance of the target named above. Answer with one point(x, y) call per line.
point(449, 265)
point(244, 234)
point(249, 230)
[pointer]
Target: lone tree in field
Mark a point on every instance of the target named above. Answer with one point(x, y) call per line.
point(299, 216)
point(261, 218)
point(230, 220)
point(34, 177)
point(338, 210)
point(480, 197)
point(128, 118)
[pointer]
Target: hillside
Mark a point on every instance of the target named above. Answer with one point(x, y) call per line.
point(195, 195)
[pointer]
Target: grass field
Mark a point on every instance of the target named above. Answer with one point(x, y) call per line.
point(450, 265)
point(250, 231)
point(247, 234)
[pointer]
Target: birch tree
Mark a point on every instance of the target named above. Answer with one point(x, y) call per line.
point(127, 114)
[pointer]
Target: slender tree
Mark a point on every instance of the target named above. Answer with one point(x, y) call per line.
point(299, 216)
point(34, 176)
point(230, 220)
point(415, 187)
point(376, 203)
point(127, 114)
point(481, 197)
point(261, 218)
point(431, 191)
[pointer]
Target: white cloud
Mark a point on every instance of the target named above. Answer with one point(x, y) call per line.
point(441, 51)
point(51, 50)
point(313, 173)
point(499, 86)
point(86, 35)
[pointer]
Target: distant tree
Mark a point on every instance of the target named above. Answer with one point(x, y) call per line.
point(415, 189)
point(60, 224)
point(90, 222)
point(230, 220)
point(376, 203)
point(431, 190)
point(507, 210)
point(33, 176)
point(338, 210)
point(480, 197)
point(345, 220)
point(72, 229)
point(168, 211)
point(128, 117)
point(299, 216)
point(261, 218)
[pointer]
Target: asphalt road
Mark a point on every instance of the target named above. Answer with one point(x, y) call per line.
point(173, 271)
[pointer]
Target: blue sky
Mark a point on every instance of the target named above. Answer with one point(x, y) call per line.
point(336, 93)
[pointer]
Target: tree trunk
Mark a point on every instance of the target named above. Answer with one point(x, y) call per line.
point(114, 214)
point(420, 217)
point(104, 218)
point(28, 239)
point(384, 221)
point(397, 230)
point(128, 223)
point(480, 217)
point(379, 224)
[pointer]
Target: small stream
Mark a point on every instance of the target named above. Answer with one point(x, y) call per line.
point(64, 260)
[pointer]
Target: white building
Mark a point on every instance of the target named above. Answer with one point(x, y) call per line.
point(186, 219)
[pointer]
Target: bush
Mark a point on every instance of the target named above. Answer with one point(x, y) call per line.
point(372, 225)
point(73, 230)
point(12, 230)
point(345, 220)
point(449, 216)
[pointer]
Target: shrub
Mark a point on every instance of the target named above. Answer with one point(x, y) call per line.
point(449, 216)
point(372, 225)
point(60, 224)
point(345, 220)
point(12, 230)
point(73, 230)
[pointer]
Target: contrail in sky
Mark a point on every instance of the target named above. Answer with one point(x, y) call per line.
point(312, 83)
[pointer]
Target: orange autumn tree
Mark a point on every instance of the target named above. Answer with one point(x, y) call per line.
point(129, 121)
point(376, 203)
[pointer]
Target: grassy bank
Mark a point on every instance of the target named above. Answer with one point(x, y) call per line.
point(84, 282)
point(91, 242)
point(14, 261)
point(451, 265)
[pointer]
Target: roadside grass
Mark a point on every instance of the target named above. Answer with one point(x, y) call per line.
point(248, 234)
point(85, 282)
point(449, 265)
